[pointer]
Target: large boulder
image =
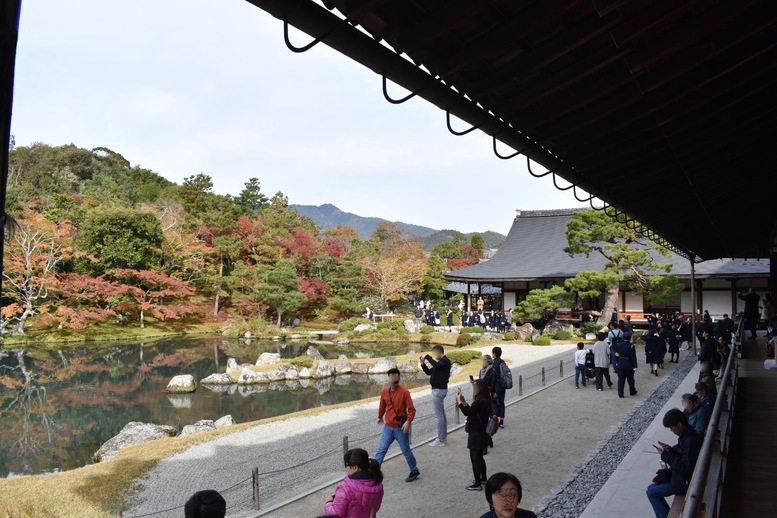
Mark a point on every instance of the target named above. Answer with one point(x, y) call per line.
point(383, 365)
point(133, 433)
point(343, 367)
point(276, 376)
point(217, 379)
point(182, 384)
point(304, 374)
point(268, 358)
point(406, 367)
point(361, 328)
point(360, 368)
point(524, 332)
point(232, 364)
point(590, 336)
point(224, 421)
point(292, 373)
point(205, 425)
point(313, 353)
point(409, 326)
point(554, 326)
point(249, 377)
point(323, 369)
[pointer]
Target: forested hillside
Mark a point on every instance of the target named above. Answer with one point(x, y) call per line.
point(100, 241)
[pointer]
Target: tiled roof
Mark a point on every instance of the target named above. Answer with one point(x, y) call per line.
point(534, 250)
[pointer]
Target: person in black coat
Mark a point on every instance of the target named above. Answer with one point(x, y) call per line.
point(652, 350)
point(626, 360)
point(752, 311)
point(478, 440)
point(504, 494)
point(681, 458)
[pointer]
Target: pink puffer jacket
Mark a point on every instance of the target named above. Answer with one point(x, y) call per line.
point(356, 498)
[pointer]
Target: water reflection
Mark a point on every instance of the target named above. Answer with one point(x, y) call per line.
point(58, 407)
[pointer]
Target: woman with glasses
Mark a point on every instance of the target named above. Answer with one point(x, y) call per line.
point(504, 493)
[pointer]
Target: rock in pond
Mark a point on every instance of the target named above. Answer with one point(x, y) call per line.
point(343, 367)
point(224, 421)
point(268, 358)
point(182, 384)
point(383, 365)
point(204, 425)
point(323, 369)
point(312, 352)
point(133, 433)
point(217, 379)
point(304, 373)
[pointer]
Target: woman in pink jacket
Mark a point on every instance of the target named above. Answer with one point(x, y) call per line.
point(361, 493)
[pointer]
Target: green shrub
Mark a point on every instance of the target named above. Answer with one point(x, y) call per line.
point(463, 357)
point(541, 340)
point(351, 323)
point(475, 329)
point(465, 339)
point(426, 339)
point(562, 335)
point(302, 361)
point(395, 325)
point(508, 336)
point(376, 304)
point(427, 330)
point(590, 327)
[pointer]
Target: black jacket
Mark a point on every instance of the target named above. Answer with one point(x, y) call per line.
point(519, 513)
point(477, 419)
point(682, 459)
point(440, 372)
point(625, 355)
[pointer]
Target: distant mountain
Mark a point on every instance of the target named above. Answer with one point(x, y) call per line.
point(328, 216)
point(492, 240)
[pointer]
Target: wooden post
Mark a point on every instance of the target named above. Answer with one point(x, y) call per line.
point(118, 514)
point(345, 445)
point(561, 368)
point(543, 376)
point(520, 385)
point(255, 477)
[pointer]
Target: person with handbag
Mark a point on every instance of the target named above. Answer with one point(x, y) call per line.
point(395, 412)
point(478, 415)
point(681, 459)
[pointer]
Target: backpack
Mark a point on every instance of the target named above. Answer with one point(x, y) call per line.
point(505, 376)
point(493, 424)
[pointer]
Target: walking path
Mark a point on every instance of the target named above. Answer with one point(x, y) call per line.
point(624, 493)
point(304, 452)
point(546, 436)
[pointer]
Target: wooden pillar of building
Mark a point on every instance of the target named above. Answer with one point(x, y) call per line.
point(733, 299)
point(469, 296)
point(773, 282)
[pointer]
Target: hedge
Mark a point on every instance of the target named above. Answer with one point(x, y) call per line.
point(509, 336)
point(463, 357)
point(476, 329)
point(541, 340)
point(465, 339)
point(351, 323)
point(427, 330)
point(302, 361)
point(562, 335)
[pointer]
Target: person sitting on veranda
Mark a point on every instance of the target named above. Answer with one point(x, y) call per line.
point(681, 458)
point(698, 414)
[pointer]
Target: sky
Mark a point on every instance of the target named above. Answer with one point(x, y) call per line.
point(189, 86)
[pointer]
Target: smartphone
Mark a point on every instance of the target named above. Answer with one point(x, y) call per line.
point(471, 379)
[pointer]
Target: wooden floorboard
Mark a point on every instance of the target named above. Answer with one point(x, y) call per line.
point(751, 481)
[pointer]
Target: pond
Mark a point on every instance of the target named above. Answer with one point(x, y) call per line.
point(58, 407)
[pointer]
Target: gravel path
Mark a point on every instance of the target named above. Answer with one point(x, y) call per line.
point(546, 436)
point(300, 453)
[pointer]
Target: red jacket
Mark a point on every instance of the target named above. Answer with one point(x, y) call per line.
point(398, 403)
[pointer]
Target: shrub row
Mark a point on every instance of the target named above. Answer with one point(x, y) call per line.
point(463, 357)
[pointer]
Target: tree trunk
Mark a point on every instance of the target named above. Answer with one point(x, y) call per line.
point(279, 319)
point(218, 288)
point(610, 304)
point(142, 323)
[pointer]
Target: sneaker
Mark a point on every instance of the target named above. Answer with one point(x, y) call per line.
point(437, 442)
point(501, 424)
point(412, 476)
point(475, 487)
point(599, 390)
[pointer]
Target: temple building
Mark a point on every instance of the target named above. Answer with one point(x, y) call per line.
point(533, 256)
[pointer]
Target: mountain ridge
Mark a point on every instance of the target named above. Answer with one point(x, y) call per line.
point(329, 216)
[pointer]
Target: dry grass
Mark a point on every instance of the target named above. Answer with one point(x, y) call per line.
point(100, 489)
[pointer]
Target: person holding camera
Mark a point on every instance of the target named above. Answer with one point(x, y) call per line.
point(478, 415)
point(361, 493)
point(395, 413)
point(439, 374)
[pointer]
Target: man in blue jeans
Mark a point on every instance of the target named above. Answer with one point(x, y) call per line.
point(395, 413)
point(439, 374)
point(681, 458)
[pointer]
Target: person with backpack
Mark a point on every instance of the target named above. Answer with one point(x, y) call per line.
point(478, 439)
point(614, 336)
point(503, 380)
